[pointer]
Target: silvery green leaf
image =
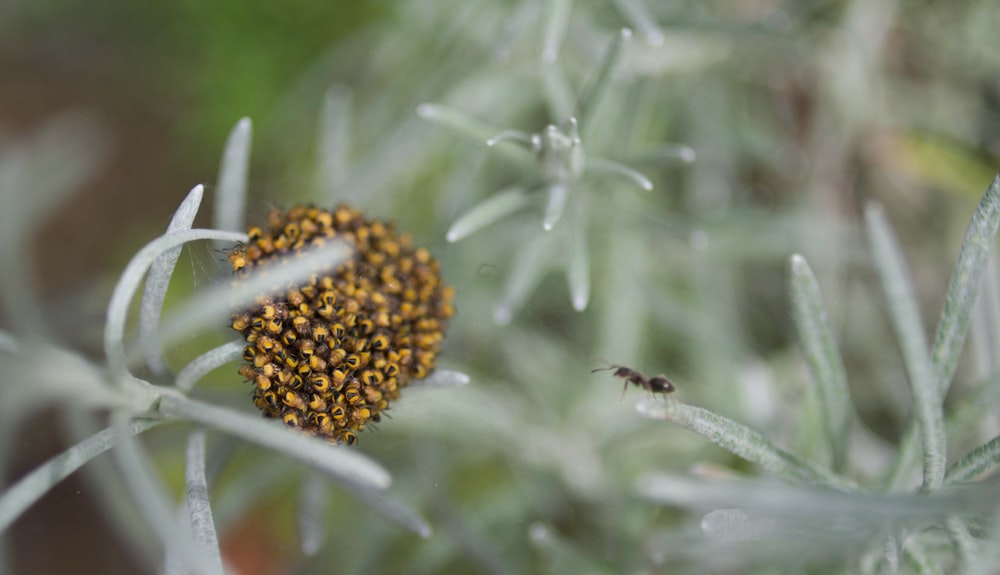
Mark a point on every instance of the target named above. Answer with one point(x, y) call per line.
point(984, 328)
point(578, 261)
point(604, 167)
point(128, 283)
point(17, 498)
point(231, 192)
point(527, 269)
point(556, 22)
point(481, 132)
point(813, 502)
point(458, 121)
point(743, 442)
point(558, 94)
point(966, 280)
point(208, 361)
point(636, 12)
point(198, 504)
point(975, 463)
point(527, 140)
point(313, 507)
point(665, 154)
point(517, 26)
point(488, 211)
point(953, 325)
point(556, 205)
point(734, 525)
point(905, 316)
point(152, 500)
point(442, 378)
point(334, 143)
point(825, 364)
point(342, 463)
point(158, 280)
point(50, 376)
point(792, 522)
point(391, 508)
point(605, 73)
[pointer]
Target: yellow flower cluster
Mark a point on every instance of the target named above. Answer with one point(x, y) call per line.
point(327, 356)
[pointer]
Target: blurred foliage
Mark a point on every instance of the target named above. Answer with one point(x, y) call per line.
point(201, 64)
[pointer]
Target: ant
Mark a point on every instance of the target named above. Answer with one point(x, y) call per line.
point(657, 384)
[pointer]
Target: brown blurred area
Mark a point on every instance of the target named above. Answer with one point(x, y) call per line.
point(139, 185)
point(137, 188)
point(138, 72)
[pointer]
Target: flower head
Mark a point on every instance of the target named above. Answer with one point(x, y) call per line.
point(326, 356)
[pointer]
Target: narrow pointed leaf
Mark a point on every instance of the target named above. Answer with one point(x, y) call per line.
point(825, 364)
point(524, 138)
point(665, 155)
point(638, 15)
point(158, 280)
point(152, 500)
point(17, 498)
point(527, 270)
point(208, 361)
point(558, 93)
point(556, 206)
point(340, 462)
point(578, 262)
point(743, 442)
point(905, 316)
point(391, 508)
point(442, 378)
point(198, 504)
point(128, 283)
point(556, 22)
point(968, 413)
point(490, 210)
point(965, 417)
point(975, 463)
point(953, 325)
point(734, 525)
point(476, 130)
point(610, 168)
point(334, 144)
point(605, 72)
point(313, 507)
point(231, 192)
point(816, 503)
point(966, 280)
point(458, 121)
point(984, 329)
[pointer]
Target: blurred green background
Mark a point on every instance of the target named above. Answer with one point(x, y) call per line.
point(800, 113)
